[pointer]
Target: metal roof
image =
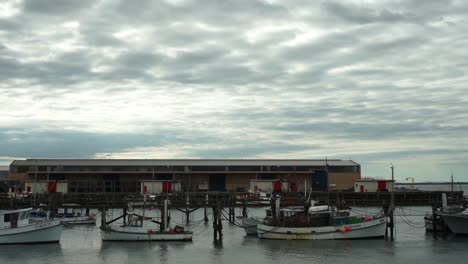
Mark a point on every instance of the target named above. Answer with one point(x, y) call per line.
point(182, 162)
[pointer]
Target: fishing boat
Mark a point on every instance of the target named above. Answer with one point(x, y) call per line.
point(141, 228)
point(454, 216)
point(457, 222)
point(321, 222)
point(75, 216)
point(250, 223)
point(15, 228)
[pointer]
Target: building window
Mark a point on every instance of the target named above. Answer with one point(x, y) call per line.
point(267, 176)
point(244, 168)
point(207, 168)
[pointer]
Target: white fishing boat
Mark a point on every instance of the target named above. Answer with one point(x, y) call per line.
point(15, 228)
point(456, 222)
point(140, 228)
point(321, 222)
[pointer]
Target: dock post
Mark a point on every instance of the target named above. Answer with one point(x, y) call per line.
point(392, 224)
point(125, 216)
point(387, 221)
point(215, 221)
point(244, 208)
point(164, 216)
point(233, 214)
point(187, 209)
point(220, 226)
point(217, 225)
point(206, 204)
point(103, 217)
point(434, 222)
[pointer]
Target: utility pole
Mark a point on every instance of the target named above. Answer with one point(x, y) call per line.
point(392, 206)
point(452, 183)
point(390, 211)
point(35, 185)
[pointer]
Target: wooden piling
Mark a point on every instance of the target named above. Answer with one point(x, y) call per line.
point(244, 208)
point(217, 225)
point(206, 211)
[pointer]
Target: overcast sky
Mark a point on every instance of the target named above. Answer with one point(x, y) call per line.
point(378, 82)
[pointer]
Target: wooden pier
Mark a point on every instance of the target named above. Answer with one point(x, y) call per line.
point(192, 200)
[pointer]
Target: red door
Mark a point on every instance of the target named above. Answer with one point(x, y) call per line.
point(381, 185)
point(52, 187)
point(362, 188)
point(277, 186)
point(167, 186)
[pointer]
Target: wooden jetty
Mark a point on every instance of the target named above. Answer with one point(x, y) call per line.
point(224, 199)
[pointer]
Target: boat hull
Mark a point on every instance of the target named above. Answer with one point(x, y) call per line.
point(41, 232)
point(457, 223)
point(371, 229)
point(250, 225)
point(113, 235)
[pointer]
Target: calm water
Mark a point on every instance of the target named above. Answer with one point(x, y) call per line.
point(83, 245)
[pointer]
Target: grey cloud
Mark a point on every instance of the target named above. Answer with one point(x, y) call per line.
point(55, 7)
point(9, 25)
point(389, 155)
point(69, 144)
point(246, 150)
point(364, 15)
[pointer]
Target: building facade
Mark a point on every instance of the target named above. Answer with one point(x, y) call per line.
point(125, 175)
point(373, 185)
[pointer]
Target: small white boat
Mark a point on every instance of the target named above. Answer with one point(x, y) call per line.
point(456, 222)
point(75, 216)
point(321, 222)
point(140, 228)
point(15, 228)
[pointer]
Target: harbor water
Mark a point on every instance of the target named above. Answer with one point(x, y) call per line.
point(82, 244)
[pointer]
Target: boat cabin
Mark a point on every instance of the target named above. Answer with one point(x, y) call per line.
point(14, 218)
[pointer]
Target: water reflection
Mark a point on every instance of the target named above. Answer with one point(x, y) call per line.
point(39, 253)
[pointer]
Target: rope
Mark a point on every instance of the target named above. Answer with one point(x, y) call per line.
point(405, 219)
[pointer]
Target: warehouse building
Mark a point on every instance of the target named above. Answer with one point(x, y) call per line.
point(127, 175)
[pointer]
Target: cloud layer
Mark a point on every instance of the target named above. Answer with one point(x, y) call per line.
point(377, 82)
